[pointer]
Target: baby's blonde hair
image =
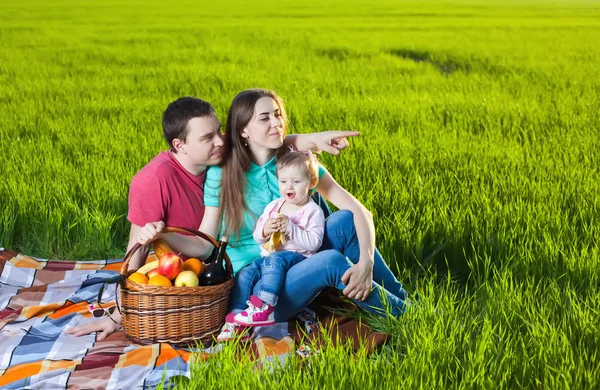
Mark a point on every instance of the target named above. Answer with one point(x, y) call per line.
point(306, 161)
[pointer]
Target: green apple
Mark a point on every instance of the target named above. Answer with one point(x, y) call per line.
point(186, 279)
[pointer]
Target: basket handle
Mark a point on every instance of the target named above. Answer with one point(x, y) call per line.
point(196, 233)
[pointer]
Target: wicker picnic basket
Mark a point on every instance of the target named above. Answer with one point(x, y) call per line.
point(182, 316)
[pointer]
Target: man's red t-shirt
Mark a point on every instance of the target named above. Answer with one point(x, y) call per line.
point(165, 191)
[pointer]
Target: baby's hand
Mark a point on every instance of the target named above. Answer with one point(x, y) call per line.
point(270, 227)
point(283, 223)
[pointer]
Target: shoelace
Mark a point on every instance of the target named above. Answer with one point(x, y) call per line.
point(230, 327)
point(251, 308)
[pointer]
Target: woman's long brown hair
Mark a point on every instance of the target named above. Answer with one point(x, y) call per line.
point(237, 161)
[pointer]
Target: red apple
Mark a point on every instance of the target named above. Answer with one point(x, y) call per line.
point(186, 279)
point(152, 272)
point(170, 265)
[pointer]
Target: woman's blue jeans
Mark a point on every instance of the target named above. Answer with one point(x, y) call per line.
point(306, 279)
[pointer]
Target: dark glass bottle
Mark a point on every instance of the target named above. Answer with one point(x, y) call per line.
point(214, 272)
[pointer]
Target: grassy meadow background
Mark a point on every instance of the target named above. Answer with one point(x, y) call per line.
point(479, 158)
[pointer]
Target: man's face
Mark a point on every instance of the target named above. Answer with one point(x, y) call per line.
point(203, 145)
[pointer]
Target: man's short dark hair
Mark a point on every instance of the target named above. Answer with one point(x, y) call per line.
point(178, 114)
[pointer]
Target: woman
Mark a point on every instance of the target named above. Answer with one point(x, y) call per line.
point(247, 182)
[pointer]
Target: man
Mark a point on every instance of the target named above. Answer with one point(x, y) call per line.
point(170, 187)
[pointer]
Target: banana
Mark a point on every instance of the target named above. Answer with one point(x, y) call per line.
point(147, 267)
point(274, 241)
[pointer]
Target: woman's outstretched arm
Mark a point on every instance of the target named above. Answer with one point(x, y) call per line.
point(328, 141)
point(360, 276)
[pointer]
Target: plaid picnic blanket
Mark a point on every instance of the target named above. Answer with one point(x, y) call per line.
point(40, 299)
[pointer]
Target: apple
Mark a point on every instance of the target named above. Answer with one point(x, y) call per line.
point(170, 265)
point(152, 272)
point(186, 279)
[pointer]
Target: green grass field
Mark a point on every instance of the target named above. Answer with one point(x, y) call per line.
point(479, 158)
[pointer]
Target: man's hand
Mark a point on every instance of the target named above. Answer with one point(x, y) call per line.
point(150, 232)
point(105, 326)
point(333, 141)
point(358, 280)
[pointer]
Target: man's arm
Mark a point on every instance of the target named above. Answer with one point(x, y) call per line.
point(188, 245)
point(105, 327)
point(139, 257)
point(329, 141)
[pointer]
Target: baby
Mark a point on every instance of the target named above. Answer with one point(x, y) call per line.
point(290, 229)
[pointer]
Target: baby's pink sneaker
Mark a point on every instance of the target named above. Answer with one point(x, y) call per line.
point(258, 313)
